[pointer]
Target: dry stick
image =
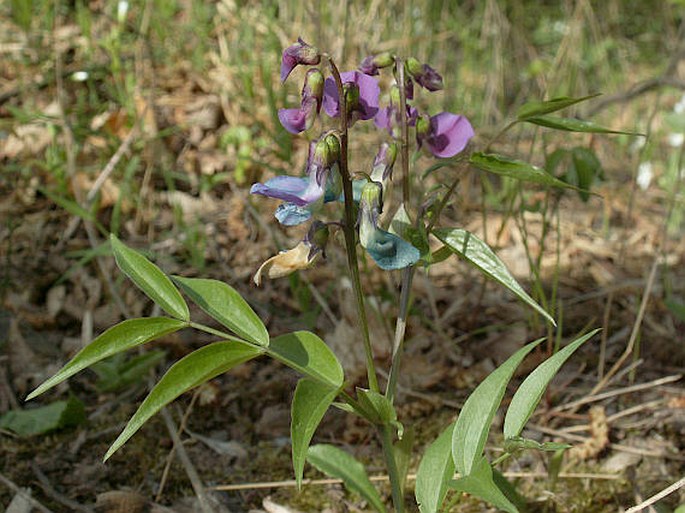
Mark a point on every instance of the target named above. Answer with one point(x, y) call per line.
point(383, 478)
point(172, 452)
point(626, 390)
point(657, 497)
point(196, 483)
point(617, 447)
point(634, 333)
point(102, 177)
point(54, 494)
point(20, 491)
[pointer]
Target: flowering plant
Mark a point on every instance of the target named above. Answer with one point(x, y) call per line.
point(456, 459)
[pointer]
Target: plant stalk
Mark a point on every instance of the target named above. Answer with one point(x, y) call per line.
point(396, 484)
point(407, 272)
point(349, 231)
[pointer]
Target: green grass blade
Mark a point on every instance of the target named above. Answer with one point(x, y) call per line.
point(150, 279)
point(310, 403)
point(479, 254)
point(116, 339)
point(337, 463)
point(539, 108)
point(224, 304)
point(308, 354)
point(198, 367)
point(473, 424)
point(530, 392)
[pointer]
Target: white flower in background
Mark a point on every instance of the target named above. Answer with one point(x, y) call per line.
point(676, 139)
point(638, 144)
point(644, 175)
point(122, 10)
point(679, 108)
point(79, 76)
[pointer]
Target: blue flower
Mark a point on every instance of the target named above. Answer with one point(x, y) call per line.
point(389, 251)
point(303, 195)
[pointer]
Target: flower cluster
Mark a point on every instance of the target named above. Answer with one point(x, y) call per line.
point(444, 135)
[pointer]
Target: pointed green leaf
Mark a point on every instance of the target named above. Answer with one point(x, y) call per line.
point(310, 403)
point(479, 254)
point(574, 125)
point(435, 472)
point(224, 304)
point(473, 424)
point(337, 463)
point(193, 370)
point(150, 279)
point(530, 392)
point(481, 484)
point(37, 421)
point(377, 405)
point(518, 169)
point(116, 339)
point(539, 108)
point(307, 353)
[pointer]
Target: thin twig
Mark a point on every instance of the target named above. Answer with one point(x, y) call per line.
point(45, 484)
point(191, 472)
point(657, 497)
point(384, 478)
point(172, 452)
point(20, 491)
point(613, 393)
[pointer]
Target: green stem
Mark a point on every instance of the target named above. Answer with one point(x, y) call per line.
point(404, 143)
point(393, 472)
point(349, 231)
point(222, 334)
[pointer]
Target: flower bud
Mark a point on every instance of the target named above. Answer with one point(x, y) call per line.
point(384, 162)
point(317, 238)
point(423, 128)
point(371, 64)
point(351, 97)
point(424, 75)
point(313, 87)
point(299, 53)
point(323, 154)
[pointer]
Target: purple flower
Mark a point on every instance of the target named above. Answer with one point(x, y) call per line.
point(299, 191)
point(445, 134)
point(304, 194)
point(389, 119)
point(424, 75)
point(299, 120)
point(361, 96)
point(299, 53)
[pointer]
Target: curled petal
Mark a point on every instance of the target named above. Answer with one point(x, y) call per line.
point(285, 263)
point(449, 134)
point(369, 90)
point(300, 191)
point(299, 53)
point(391, 252)
point(289, 214)
point(293, 120)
